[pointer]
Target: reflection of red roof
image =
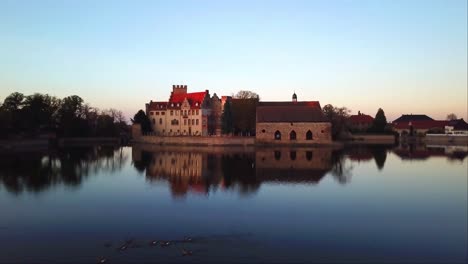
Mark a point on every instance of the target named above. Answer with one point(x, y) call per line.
point(192, 98)
point(361, 156)
point(362, 118)
point(152, 106)
point(421, 124)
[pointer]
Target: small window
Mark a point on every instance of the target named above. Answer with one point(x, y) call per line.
point(172, 112)
point(309, 155)
point(163, 113)
point(172, 105)
point(160, 121)
point(154, 121)
point(277, 135)
point(292, 135)
point(151, 113)
point(263, 130)
point(197, 122)
point(157, 113)
point(292, 155)
point(309, 135)
point(197, 112)
point(185, 122)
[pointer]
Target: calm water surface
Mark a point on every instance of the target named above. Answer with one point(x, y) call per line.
point(360, 204)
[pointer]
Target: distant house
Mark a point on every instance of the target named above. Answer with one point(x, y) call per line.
point(457, 126)
point(292, 122)
point(418, 124)
point(360, 122)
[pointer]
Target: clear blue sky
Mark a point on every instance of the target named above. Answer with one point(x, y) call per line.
point(404, 56)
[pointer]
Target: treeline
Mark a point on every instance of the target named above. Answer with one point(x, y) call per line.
point(39, 114)
point(239, 114)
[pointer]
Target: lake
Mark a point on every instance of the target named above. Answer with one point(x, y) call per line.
point(360, 204)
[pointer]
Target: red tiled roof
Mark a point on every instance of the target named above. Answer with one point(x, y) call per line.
point(192, 98)
point(309, 111)
point(362, 118)
point(421, 124)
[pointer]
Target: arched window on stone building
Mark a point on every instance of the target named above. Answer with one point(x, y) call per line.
point(277, 135)
point(292, 135)
point(309, 135)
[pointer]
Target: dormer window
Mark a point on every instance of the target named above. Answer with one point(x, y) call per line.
point(177, 105)
point(172, 105)
point(196, 104)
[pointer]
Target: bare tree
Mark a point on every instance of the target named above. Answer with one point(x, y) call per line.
point(243, 94)
point(451, 116)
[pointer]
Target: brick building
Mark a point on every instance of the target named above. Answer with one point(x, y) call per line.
point(292, 122)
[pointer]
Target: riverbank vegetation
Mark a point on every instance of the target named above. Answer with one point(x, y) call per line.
point(29, 116)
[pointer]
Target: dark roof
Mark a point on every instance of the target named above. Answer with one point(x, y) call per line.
point(425, 124)
point(411, 117)
point(290, 112)
point(458, 124)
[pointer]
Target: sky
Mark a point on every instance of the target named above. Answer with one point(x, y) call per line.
point(402, 56)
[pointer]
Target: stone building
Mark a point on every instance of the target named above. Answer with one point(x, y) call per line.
point(292, 122)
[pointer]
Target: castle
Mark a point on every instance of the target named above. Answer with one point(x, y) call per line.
point(199, 114)
point(189, 114)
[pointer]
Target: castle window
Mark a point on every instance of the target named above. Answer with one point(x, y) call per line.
point(263, 130)
point(160, 121)
point(197, 112)
point(172, 112)
point(292, 135)
point(185, 122)
point(277, 135)
point(292, 155)
point(163, 113)
point(197, 122)
point(157, 113)
point(309, 155)
point(151, 113)
point(309, 135)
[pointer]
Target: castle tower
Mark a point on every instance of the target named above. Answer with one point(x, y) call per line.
point(294, 97)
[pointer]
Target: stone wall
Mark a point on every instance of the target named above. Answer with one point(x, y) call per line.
point(191, 140)
point(321, 133)
point(447, 139)
point(373, 139)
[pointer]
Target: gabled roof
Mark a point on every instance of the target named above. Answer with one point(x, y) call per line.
point(411, 117)
point(458, 124)
point(421, 124)
point(285, 112)
point(154, 106)
point(362, 118)
point(192, 98)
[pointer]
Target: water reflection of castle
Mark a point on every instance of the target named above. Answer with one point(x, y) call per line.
point(192, 170)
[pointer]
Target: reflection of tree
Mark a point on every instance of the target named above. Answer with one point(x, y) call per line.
point(341, 170)
point(380, 156)
point(142, 163)
point(239, 172)
point(35, 172)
